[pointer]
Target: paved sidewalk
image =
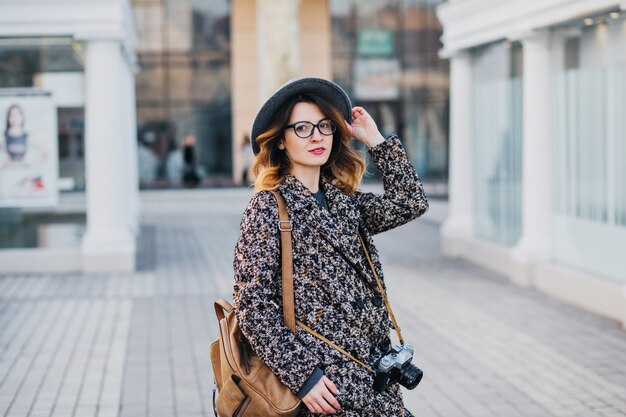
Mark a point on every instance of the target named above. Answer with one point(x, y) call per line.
point(137, 345)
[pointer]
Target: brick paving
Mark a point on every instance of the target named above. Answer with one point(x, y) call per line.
point(137, 345)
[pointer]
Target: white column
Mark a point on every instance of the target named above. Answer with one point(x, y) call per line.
point(535, 244)
point(459, 224)
point(108, 244)
point(130, 143)
point(278, 34)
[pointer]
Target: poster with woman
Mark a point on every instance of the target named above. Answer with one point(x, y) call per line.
point(28, 149)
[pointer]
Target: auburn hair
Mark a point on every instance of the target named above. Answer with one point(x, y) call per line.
point(344, 168)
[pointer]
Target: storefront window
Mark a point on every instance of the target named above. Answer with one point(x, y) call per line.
point(589, 145)
point(497, 145)
point(385, 53)
point(21, 59)
point(31, 68)
point(183, 90)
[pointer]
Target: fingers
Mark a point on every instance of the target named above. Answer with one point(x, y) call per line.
point(313, 407)
point(350, 129)
point(359, 112)
point(323, 404)
point(330, 385)
point(320, 399)
point(320, 406)
point(331, 401)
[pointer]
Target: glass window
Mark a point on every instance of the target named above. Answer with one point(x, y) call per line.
point(211, 24)
point(22, 61)
point(385, 54)
point(589, 147)
point(22, 58)
point(497, 143)
point(183, 88)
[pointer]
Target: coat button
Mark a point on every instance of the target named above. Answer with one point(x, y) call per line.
point(377, 301)
point(360, 304)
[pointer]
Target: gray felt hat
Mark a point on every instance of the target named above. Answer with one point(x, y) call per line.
point(318, 86)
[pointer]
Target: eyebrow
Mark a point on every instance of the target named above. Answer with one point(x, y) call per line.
point(299, 121)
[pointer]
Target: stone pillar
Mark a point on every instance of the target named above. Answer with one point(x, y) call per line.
point(278, 43)
point(130, 143)
point(273, 41)
point(315, 39)
point(623, 318)
point(459, 224)
point(245, 62)
point(108, 244)
point(535, 244)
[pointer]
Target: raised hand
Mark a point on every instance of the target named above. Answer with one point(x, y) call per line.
point(363, 128)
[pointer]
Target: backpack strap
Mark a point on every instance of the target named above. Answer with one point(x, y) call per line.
point(284, 225)
point(222, 306)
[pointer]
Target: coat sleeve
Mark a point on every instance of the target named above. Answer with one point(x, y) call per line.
point(257, 295)
point(404, 198)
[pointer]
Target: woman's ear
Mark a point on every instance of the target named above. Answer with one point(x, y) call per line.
point(281, 144)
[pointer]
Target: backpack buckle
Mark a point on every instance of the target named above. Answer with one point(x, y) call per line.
point(285, 229)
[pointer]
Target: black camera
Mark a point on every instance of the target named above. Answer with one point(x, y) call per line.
point(396, 366)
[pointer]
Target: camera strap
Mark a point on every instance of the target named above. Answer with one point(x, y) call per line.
point(333, 345)
point(383, 293)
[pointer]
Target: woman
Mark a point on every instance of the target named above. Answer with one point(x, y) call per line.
point(16, 139)
point(300, 138)
point(22, 159)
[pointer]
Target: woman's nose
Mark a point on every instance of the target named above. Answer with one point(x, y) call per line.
point(317, 135)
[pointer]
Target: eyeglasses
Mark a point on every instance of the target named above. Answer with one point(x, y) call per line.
point(305, 129)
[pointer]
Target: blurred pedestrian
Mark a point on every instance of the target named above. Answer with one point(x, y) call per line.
point(247, 157)
point(300, 138)
point(190, 166)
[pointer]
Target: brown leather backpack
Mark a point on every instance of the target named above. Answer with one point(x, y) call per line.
point(252, 392)
point(246, 386)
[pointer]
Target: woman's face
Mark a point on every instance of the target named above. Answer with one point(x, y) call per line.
point(311, 152)
point(15, 118)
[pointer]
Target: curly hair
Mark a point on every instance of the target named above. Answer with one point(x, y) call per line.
point(344, 168)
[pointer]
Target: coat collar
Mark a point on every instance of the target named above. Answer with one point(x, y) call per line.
point(339, 227)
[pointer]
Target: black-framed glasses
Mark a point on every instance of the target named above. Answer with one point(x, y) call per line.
point(305, 129)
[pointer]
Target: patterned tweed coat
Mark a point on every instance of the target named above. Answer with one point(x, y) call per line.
point(335, 290)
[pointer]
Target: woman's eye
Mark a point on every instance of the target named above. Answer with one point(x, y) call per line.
point(301, 128)
point(325, 125)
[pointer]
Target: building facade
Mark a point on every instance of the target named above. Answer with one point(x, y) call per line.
point(203, 69)
point(82, 54)
point(206, 67)
point(141, 87)
point(538, 144)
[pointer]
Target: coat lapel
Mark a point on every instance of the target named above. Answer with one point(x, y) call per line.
point(339, 227)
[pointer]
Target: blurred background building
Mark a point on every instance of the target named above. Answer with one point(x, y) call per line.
point(205, 68)
point(83, 54)
point(537, 188)
point(201, 71)
point(162, 93)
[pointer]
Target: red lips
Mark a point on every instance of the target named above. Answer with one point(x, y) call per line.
point(318, 151)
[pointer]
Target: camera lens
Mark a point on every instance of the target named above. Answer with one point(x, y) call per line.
point(410, 376)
